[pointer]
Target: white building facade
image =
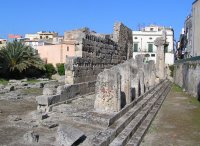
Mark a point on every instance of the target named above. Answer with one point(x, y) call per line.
point(143, 43)
point(42, 35)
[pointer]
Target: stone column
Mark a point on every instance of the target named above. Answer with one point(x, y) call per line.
point(141, 78)
point(134, 79)
point(160, 57)
point(134, 86)
point(125, 72)
point(69, 70)
point(107, 92)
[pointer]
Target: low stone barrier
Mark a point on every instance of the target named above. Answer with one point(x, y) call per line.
point(62, 94)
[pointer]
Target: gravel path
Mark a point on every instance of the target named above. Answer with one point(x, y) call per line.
point(177, 123)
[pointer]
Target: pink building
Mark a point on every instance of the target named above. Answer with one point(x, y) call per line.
point(56, 53)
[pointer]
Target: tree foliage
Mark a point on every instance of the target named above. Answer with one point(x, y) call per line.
point(16, 58)
point(50, 70)
point(60, 68)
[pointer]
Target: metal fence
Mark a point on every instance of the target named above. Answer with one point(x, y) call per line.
point(188, 59)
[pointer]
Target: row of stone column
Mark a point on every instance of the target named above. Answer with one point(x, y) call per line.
point(120, 85)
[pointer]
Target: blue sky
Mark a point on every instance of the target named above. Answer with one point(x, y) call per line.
point(30, 16)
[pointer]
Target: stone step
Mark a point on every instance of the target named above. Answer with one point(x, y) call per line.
point(143, 128)
point(107, 136)
point(130, 129)
point(105, 120)
point(129, 106)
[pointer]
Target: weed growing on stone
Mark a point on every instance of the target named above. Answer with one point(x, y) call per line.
point(176, 88)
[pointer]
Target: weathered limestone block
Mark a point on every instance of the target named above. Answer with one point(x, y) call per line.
point(160, 42)
point(134, 79)
point(125, 72)
point(149, 74)
point(1, 87)
point(49, 123)
point(31, 137)
point(68, 135)
point(139, 59)
point(60, 90)
point(46, 100)
point(102, 51)
point(69, 68)
point(135, 87)
point(49, 91)
point(15, 81)
point(141, 82)
point(107, 90)
point(10, 88)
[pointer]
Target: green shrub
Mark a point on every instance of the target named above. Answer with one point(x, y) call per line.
point(33, 72)
point(50, 70)
point(60, 68)
point(3, 81)
point(171, 67)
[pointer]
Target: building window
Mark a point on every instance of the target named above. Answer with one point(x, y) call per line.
point(151, 29)
point(67, 48)
point(135, 38)
point(166, 49)
point(135, 47)
point(47, 37)
point(40, 37)
point(150, 38)
point(150, 47)
point(153, 55)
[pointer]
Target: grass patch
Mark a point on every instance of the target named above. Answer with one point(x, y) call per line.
point(153, 128)
point(32, 81)
point(176, 88)
point(33, 91)
point(195, 118)
point(194, 101)
point(3, 82)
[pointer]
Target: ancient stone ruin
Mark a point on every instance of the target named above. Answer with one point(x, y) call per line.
point(160, 62)
point(94, 52)
point(120, 85)
point(108, 97)
point(97, 51)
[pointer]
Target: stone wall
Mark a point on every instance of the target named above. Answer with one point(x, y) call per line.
point(95, 52)
point(187, 76)
point(120, 85)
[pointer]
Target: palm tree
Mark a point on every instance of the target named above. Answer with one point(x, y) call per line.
point(17, 57)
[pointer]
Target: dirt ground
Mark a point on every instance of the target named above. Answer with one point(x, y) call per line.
point(9, 108)
point(177, 123)
point(18, 116)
